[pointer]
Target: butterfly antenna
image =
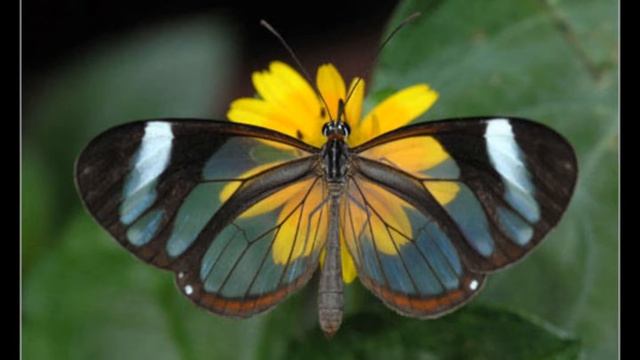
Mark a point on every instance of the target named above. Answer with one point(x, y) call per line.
point(297, 61)
point(341, 113)
point(374, 63)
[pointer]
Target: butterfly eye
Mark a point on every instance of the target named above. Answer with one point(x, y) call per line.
point(345, 129)
point(327, 128)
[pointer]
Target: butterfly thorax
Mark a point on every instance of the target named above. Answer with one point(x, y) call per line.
point(335, 155)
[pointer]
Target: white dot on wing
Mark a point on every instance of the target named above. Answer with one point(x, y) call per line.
point(473, 285)
point(188, 290)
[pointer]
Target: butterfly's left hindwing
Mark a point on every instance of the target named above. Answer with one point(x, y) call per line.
point(486, 190)
point(404, 255)
point(205, 200)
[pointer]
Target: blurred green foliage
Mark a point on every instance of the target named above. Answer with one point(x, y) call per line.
point(475, 333)
point(554, 61)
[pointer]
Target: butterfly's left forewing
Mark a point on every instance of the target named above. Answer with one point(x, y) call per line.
point(235, 211)
point(484, 190)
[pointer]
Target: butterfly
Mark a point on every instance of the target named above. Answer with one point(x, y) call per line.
point(246, 212)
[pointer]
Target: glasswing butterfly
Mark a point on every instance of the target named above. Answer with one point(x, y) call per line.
point(244, 215)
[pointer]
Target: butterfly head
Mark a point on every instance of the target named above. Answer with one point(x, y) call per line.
point(337, 129)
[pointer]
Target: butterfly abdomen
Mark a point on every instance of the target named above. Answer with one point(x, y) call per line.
point(331, 287)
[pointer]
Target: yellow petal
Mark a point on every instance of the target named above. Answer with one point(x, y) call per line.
point(261, 113)
point(231, 187)
point(394, 112)
point(269, 203)
point(413, 155)
point(288, 104)
point(443, 191)
point(276, 200)
point(353, 106)
point(389, 208)
point(304, 228)
point(349, 272)
point(386, 209)
point(283, 86)
point(331, 86)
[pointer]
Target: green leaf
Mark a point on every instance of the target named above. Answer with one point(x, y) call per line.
point(91, 299)
point(556, 62)
point(37, 207)
point(179, 69)
point(475, 332)
point(83, 296)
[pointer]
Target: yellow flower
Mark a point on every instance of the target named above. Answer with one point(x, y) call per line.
point(287, 103)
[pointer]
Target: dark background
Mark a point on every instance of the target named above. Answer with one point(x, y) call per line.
point(343, 32)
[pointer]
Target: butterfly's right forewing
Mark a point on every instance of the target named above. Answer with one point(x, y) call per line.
point(206, 200)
